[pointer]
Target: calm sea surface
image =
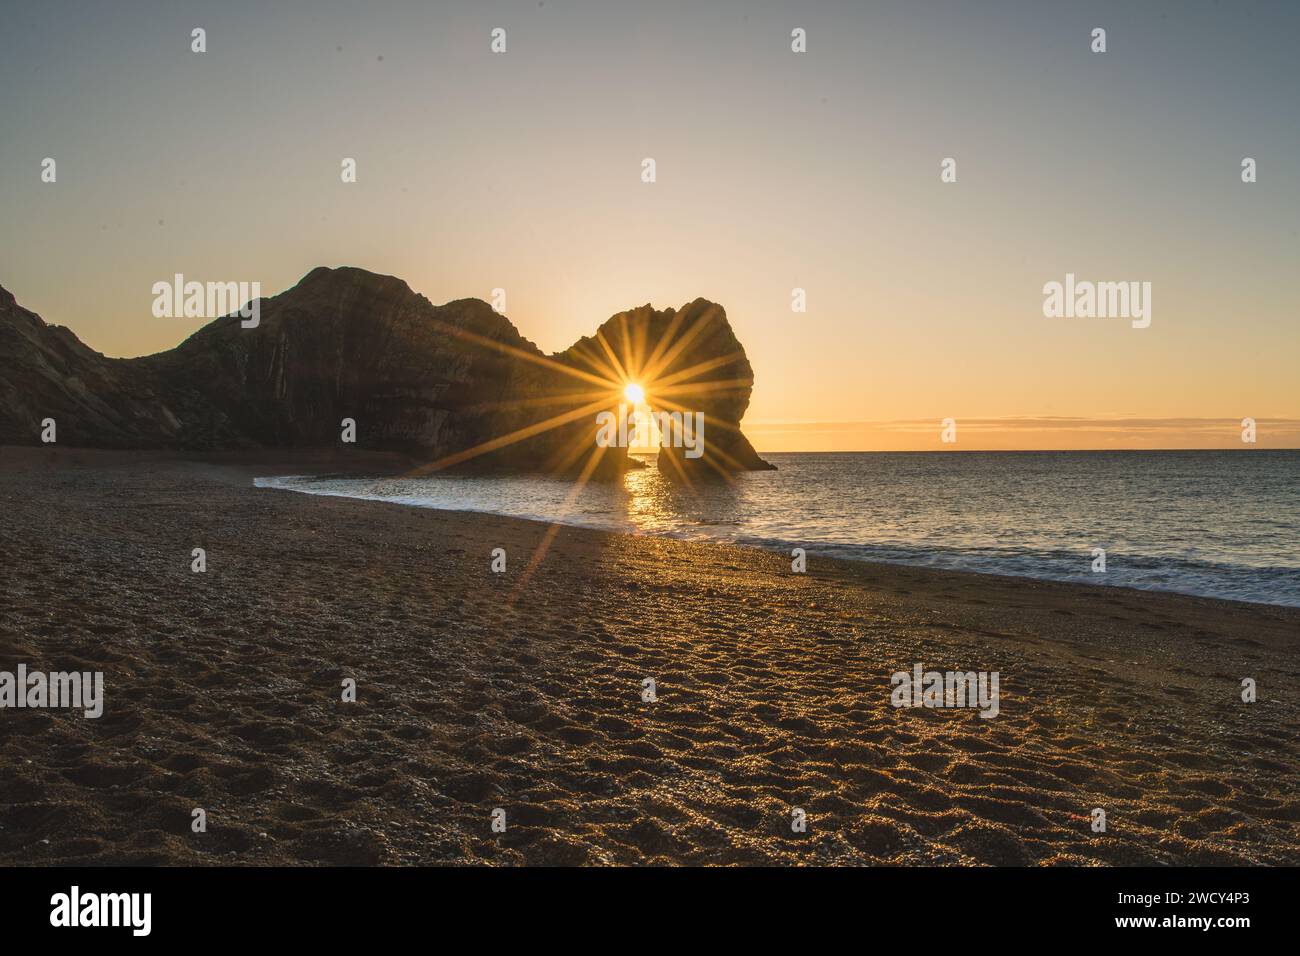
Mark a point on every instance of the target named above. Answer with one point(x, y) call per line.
point(1221, 524)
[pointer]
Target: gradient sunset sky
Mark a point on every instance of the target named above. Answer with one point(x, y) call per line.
point(775, 170)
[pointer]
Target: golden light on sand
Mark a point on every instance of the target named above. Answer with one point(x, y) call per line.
point(634, 393)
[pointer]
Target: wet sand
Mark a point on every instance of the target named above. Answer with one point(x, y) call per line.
point(523, 691)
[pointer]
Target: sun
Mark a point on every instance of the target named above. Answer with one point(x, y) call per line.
point(634, 393)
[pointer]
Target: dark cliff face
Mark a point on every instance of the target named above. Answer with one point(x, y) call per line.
point(345, 343)
point(455, 385)
point(689, 361)
point(45, 372)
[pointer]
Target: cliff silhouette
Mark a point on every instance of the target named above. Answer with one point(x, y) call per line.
point(453, 385)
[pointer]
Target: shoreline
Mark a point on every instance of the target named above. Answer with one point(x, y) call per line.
point(523, 691)
point(323, 463)
point(823, 551)
point(771, 551)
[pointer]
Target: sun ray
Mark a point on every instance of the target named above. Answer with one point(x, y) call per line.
point(619, 376)
point(582, 350)
point(563, 459)
point(579, 483)
point(698, 368)
point(678, 468)
point(565, 397)
point(680, 345)
point(714, 450)
point(714, 423)
point(641, 332)
point(713, 385)
point(619, 370)
point(650, 369)
point(516, 436)
point(536, 359)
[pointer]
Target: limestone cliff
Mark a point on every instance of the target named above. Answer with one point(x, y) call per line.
point(454, 385)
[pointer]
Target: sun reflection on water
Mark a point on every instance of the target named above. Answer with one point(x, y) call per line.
point(653, 504)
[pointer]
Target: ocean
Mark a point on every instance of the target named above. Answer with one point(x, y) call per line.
point(1222, 524)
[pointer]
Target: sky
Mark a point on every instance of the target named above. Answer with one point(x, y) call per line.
point(775, 170)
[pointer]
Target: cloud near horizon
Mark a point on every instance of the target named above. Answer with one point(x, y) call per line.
point(1045, 433)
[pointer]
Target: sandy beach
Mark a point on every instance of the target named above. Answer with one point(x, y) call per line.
point(523, 691)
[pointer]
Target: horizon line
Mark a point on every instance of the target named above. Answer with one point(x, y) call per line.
point(1002, 451)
